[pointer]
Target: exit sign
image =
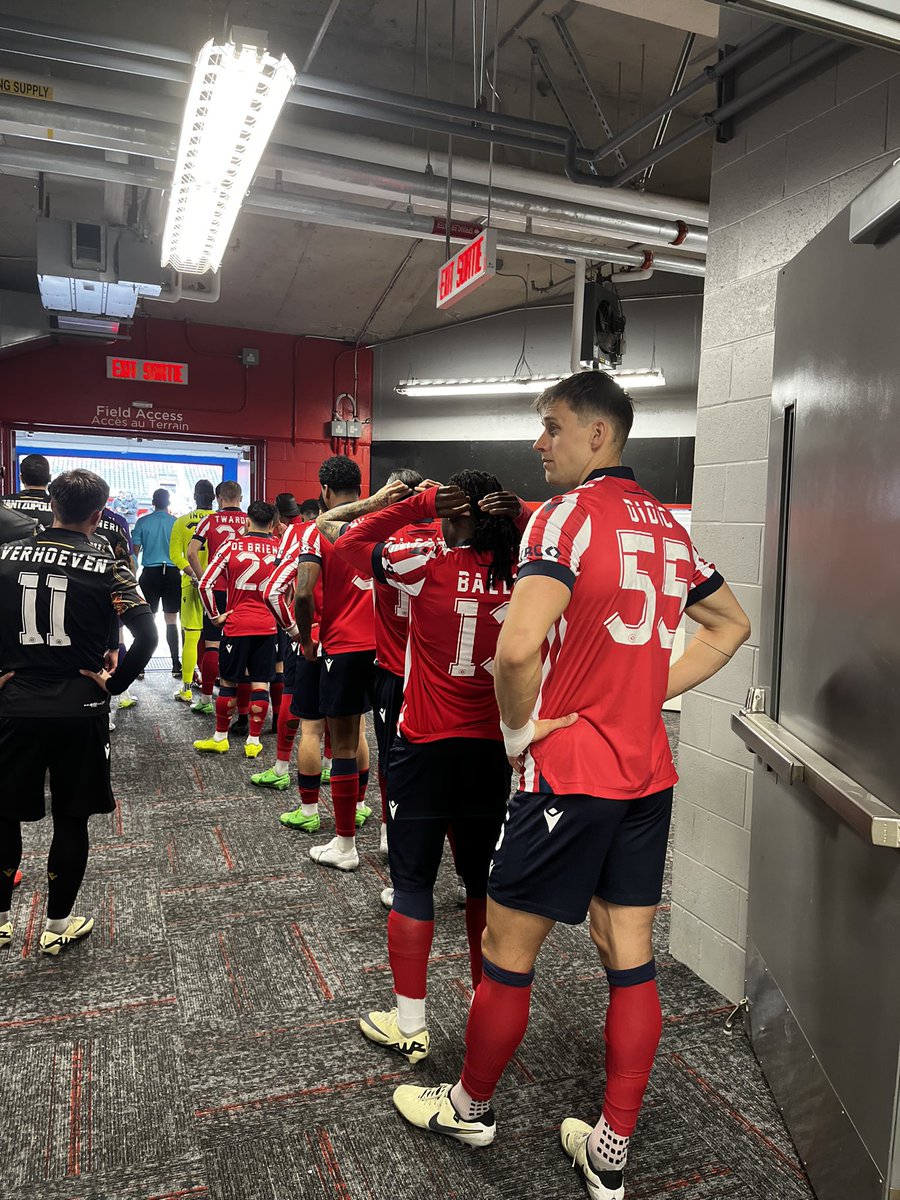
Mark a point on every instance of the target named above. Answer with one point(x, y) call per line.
point(146, 370)
point(467, 270)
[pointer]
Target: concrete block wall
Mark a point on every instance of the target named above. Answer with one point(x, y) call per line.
point(788, 170)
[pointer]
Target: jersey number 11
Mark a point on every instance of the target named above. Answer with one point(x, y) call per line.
point(29, 581)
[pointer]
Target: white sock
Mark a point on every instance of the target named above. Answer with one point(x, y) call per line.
point(220, 737)
point(326, 764)
point(4, 918)
point(360, 804)
point(410, 1015)
point(467, 1106)
point(309, 810)
point(252, 741)
point(281, 767)
point(59, 926)
point(608, 1150)
point(345, 844)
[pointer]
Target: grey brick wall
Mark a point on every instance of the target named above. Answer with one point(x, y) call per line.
point(787, 171)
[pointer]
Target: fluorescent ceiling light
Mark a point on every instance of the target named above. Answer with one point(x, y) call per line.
point(509, 386)
point(235, 98)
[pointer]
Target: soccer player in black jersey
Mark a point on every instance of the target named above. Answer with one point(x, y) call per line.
point(59, 591)
point(33, 500)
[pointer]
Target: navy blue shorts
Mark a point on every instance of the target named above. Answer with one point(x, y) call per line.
point(282, 641)
point(305, 691)
point(251, 656)
point(556, 853)
point(290, 665)
point(459, 785)
point(345, 683)
point(387, 700)
point(213, 633)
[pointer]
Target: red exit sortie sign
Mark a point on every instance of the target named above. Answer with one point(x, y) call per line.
point(472, 266)
point(146, 370)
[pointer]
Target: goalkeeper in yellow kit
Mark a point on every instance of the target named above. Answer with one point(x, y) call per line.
point(191, 608)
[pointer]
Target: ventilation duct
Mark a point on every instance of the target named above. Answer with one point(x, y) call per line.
point(92, 269)
point(22, 321)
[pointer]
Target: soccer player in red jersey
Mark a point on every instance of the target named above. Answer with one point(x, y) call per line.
point(459, 588)
point(581, 672)
point(243, 564)
point(211, 533)
point(342, 660)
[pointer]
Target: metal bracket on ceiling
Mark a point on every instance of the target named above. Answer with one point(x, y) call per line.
point(572, 50)
point(547, 71)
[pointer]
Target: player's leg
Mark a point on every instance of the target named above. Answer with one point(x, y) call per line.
point(10, 859)
point(305, 708)
point(260, 669)
point(241, 725)
point(171, 602)
point(622, 913)
point(416, 847)
point(232, 665)
point(209, 666)
point(191, 625)
point(363, 811)
point(278, 776)
point(66, 864)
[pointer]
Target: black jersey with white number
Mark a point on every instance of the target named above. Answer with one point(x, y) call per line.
point(58, 593)
point(34, 503)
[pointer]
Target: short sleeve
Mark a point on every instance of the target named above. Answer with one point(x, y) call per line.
point(310, 548)
point(201, 533)
point(705, 579)
point(555, 540)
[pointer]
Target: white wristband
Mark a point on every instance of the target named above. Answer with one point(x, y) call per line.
point(517, 740)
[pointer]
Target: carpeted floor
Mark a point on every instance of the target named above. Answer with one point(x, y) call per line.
point(203, 1042)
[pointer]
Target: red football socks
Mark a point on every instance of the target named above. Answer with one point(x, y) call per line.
point(309, 788)
point(476, 919)
point(632, 1033)
point(287, 731)
point(344, 794)
point(209, 671)
point(498, 1019)
point(243, 699)
point(259, 707)
point(224, 709)
point(409, 945)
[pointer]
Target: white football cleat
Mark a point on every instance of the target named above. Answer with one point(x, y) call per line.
point(330, 856)
point(601, 1185)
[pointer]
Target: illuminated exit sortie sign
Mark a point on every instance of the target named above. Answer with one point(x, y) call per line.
point(468, 269)
point(146, 370)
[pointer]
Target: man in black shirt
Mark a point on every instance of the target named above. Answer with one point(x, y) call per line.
point(33, 499)
point(58, 593)
point(14, 525)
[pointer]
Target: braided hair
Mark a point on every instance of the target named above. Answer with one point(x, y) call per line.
point(496, 536)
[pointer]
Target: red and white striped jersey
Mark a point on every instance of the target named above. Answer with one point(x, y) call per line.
point(391, 604)
point(219, 527)
point(241, 568)
point(632, 571)
point(278, 591)
point(454, 622)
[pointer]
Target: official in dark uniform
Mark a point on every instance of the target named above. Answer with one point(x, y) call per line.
point(59, 591)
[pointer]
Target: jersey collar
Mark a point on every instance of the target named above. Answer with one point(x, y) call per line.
point(616, 472)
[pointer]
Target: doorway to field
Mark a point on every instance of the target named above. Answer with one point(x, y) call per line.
point(134, 467)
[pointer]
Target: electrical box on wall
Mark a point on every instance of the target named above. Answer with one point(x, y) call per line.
point(339, 428)
point(250, 357)
point(354, 429)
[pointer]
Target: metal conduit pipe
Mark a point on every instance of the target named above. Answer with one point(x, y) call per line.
point(325, 212)
point(25, 25)
point(81, 168)
point(158, 140)
point(719, 116)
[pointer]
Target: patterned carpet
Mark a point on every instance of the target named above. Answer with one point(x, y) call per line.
point(203, 1043)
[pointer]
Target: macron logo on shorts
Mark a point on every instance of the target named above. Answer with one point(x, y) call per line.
point(328, 662)
point(551, 816)
point(228, 647)
point(383, 712)
point(393, 806)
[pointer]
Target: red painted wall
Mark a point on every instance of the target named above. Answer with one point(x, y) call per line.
point(284, 405)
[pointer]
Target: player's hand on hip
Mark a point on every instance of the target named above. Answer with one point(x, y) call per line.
point(99, 677)
point(111, 660)
point(451, 501)
point(544, 728)
point(501, 504)
point(4, 679)
point(220, 618)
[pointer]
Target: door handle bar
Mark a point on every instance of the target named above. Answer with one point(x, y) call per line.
point(795, 762)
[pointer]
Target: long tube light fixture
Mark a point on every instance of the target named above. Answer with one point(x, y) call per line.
point(509, 386)
point(236, 95)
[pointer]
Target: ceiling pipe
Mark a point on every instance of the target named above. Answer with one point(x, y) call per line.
point(677, 80)
point(109, 131)
point(580, 281)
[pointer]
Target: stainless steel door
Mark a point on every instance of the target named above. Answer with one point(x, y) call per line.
point(823, 973)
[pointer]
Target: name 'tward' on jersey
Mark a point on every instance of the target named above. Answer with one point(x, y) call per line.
point(241, 568)
point(632, 570)
point(219, 527)
point(59, 592)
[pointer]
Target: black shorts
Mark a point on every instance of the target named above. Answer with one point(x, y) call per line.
point(282, 641)
point(251, 656)
point(345, 683)
point(290, 666)
point(305, 694)
point(387, 700)
point(162, 583)
point(75, 751)
point(557, 852)
point(213, 633)
point(457, 783)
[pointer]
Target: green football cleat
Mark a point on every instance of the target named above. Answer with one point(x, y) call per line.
point(362, 815)
point(270, 779)
point(206, 707)
point(296, 820)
